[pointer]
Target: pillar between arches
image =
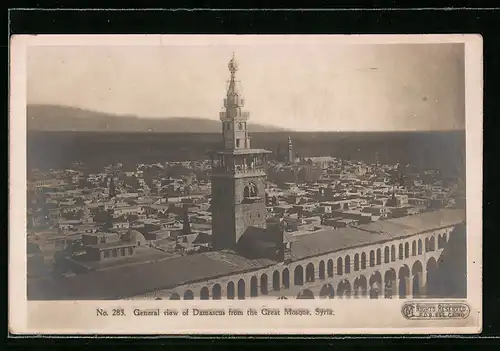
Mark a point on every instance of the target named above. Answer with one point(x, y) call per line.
point(395, 288)
point(409, 287)
point(357, 292)
point(422, 279)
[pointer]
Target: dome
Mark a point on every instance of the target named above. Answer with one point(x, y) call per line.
point(135, 237)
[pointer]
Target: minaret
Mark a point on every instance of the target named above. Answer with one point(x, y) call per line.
point(186, 225)
point(290, 151)
point(111, 188)
point(238, 174)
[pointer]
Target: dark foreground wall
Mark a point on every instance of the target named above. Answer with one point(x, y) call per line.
point(451, 276)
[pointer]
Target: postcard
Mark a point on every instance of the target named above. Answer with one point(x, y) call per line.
point(245, 184)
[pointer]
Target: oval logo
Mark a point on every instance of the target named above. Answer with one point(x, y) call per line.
point(435, 310)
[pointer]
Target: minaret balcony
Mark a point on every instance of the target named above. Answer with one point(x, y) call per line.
point(234, 115)
point(240, 171)
point(252, 200)
point(256, 170)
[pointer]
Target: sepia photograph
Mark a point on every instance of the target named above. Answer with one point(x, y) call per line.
point(254, 170)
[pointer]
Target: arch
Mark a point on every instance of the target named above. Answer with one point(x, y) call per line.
point(393, 253)
point(360, 287)
point(327, 291)
point(372, 258)
point(263, 284)
point(321, 270)
point(440, 241)
point(407, 250)
point(390, 280)
point(356, 262)
point(414, 248)
point(174, 296)
point(241, 289)
point(204, 293)
point(387, 256)
point(329, 268)
point(431, 264)
point(401, 253)
point(375, 284)
point(404, 277)
point(216, 292)
point(379, 257)
point(426, 244)
point(344, 289)
point(188, 295)
point(347, 264)
point(286, 278)
point(276, 281)
point(230, 291)
point(309, 272)
point(253, 287)
point(432, 243)
point(340, 269)
point(419, 252)
point(298, 275)
point(417, 273)
point(305, 294)
point(246, 192)
point(363, 260)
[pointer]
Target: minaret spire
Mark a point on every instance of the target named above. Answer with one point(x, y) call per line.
point(234, 127)
point(233, 68)
point(238, 175)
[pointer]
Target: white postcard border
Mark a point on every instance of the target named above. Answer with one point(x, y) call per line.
point(352, 316)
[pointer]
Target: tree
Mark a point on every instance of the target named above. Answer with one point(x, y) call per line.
point(132, 181)
point(73, 215)
point(112, 188)
point(79, 201)
point(132, 217)
point(84, 183)
point(103, 216)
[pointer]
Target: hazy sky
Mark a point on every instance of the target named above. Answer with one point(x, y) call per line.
point(313, 86)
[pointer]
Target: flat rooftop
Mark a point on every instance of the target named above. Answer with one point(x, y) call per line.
point(140, 279)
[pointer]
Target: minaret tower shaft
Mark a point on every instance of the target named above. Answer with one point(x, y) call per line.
point(290, 151)
point(238, 174)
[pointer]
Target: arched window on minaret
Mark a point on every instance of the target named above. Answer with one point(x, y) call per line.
point(250, 190)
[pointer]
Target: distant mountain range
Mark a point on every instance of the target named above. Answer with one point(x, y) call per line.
point(62, 118)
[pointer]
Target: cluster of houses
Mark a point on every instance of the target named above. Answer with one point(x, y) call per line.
point(80, 221)
point(349, 193)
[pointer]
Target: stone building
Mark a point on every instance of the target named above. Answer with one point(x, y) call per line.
point(238, 175)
